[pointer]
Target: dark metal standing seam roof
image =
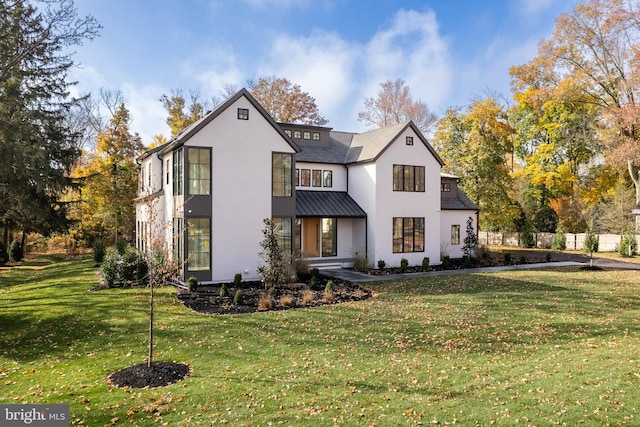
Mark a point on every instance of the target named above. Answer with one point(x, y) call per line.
point(327, 204)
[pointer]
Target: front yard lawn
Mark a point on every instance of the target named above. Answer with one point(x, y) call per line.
point(541, 347)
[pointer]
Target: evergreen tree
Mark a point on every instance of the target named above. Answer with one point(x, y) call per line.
point(470, 240)
point(37, 149)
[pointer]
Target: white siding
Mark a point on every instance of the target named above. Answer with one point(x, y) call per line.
point(449, 218)
point(338, 173)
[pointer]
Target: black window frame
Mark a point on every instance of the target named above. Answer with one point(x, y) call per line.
point(407, 232)
point(243, 114)
point(409, 178)
point(409, 140)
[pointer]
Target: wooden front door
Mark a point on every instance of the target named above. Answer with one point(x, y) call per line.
point(311, 237)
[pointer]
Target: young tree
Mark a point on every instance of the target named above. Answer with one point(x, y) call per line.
point(180, 115)
point(274, 271)
point(37, 148)
point(285, 101)
point(393, 105)
point(470, 240)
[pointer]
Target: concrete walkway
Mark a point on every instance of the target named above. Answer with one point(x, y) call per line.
point(358, 277)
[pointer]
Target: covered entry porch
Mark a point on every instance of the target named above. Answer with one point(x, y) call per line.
point(331, 229)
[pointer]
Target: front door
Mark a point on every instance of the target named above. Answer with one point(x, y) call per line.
point(311, 237)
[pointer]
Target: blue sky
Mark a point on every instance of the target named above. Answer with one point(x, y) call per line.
point(338, 51)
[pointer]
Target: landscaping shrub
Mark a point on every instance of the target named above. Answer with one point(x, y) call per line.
point(466, 261)
point(329, 286)
point(425, 263)
point(307, 297)
point(507, 258)
point(381, 264)
point(548, 257)
point(286, 300)
point(526, 237)
point(98, 251)
point(327, 296)
point(301, 267)
point(446, 262)
point(238, 298)
point(404, 263)
point(4, 256)
point(15, 251)
point(628, 244)
point(360, 263)
point(559, 240)
point(135, 267)
point(112, 267)
point(192, 284)
point(237, 280)
point(591, 242)
point(265, 302)
point(315, 278)
point(522, 259)
point(224, 292)
point(315, 273)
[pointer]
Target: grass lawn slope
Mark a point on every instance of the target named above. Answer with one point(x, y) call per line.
point(543, 347)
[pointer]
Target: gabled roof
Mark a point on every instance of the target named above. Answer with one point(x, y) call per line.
point(192, 129)
point(369, 146)
point(323, 204)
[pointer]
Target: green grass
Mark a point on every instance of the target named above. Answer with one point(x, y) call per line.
point(543, 347)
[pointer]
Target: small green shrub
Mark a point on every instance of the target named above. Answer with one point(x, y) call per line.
point(548, 257)
point(404, 263)
point(98, 251)
point(559, 241)
point(238, 298)
point(135, 267)
point(314, 272)
point(192, 284)
point(446, 262)
point(628, 244)
point(425, 263)
point(591, 242)
point(15, 251)
point(466, 261)
point(329, 286)
point(112, 268)
point(237, 280)
point(381, 264)
point(224, 292)
point(360, 263)
point(314, 282)
point(507, 258)
point(523, 259)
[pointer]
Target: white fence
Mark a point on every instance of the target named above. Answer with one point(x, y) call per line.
point(606, 242)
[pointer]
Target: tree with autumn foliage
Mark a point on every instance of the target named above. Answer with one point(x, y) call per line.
point(110, 178)
point(181, 114)
point(594, 52)
point(475, 145)
point(285, 101)
point(393, 105)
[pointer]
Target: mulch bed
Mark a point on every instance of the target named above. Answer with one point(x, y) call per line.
point(160, 374)
point(207, 299)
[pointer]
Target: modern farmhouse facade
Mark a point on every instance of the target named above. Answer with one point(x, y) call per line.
point(333, 196)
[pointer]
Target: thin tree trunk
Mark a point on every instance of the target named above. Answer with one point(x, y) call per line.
point(150, 359)
point(635, 177)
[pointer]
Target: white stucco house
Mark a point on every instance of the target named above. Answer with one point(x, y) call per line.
point(333, 196)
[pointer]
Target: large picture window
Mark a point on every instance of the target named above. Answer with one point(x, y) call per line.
point(177, 172)
point(329, 237)
point(408, 178)
point(282, 175)
point(199, 161)
point(408, 235)
point(199, 244)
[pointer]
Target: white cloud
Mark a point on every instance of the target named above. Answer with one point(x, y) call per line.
point(148, 115)
point(340, 73)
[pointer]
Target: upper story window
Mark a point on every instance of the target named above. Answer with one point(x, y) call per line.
point(306, 134)
point(288, 132)
point(282, 175)
point(199, 161)
point(408, 178)
point(177, 172)
point(305, 178)
point(316, 136)
point(243, 114)
point(445, 187)
point(327, 179)
point(167, 170)
point(316, 178)
point(409, 140)
point(297, 134)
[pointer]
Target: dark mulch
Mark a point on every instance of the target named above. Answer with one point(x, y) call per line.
point(207, 299)
point(160, 374)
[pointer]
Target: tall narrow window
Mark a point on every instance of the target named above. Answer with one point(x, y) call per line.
point(455, 234)
point(177, 172)
point(408, 235)
point(327, 179)
point(178, 239)
point(199, 161)
point(199, 244)
point(305, 177)
point(316, 178)
point(297, 177)
point(282, 175)
point(282, 231)
point(167, 170)
point(329, 237)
